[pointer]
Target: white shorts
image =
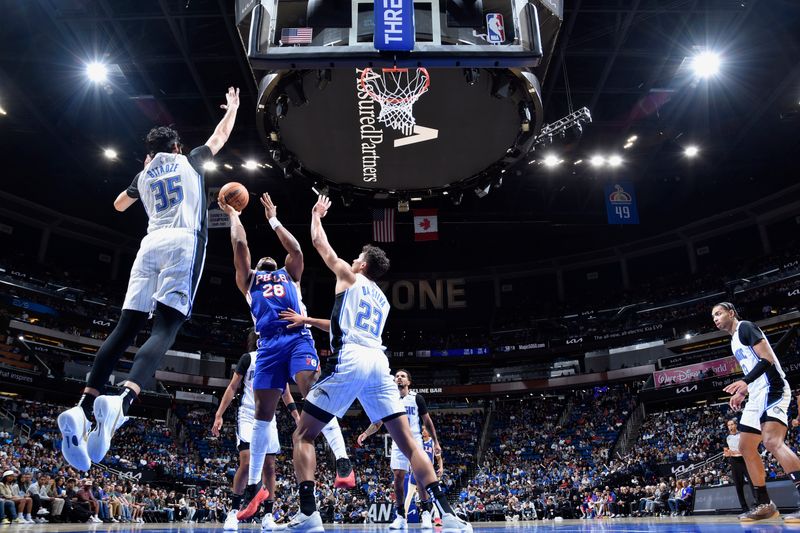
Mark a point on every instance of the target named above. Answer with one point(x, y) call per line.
point(400, 461)
point(361, 373)
point(763, 406)
point(244, 432)
point(167, 269)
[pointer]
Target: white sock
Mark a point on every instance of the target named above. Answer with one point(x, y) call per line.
point(258, 450)
point(333, 434)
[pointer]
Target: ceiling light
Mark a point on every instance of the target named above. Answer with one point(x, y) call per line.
point(551, 161)
point(691, 151)
point(97, 72)
point(706, 64)
point(597, 161)
point(687, 336)
point(250, 164)
point(3, 111)
point(229, 167)
point(209, 165)
point(578, 162)
point(110, 153)
point(633, 138)
point(614, 161)
point(627, 145)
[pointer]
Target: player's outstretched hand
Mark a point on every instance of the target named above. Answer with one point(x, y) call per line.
point(737, 387)
point(735, 402)
point(361, 438)
point(216, 426)
point(293, 317)
point(228, 210)
point(322, 206)
point(270, 209)
point(232, 99)
point(147, 160)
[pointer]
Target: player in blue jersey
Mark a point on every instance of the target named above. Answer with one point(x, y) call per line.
point(282, 353)
point(162, 284)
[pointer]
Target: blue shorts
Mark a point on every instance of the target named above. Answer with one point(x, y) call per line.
point(281, 357)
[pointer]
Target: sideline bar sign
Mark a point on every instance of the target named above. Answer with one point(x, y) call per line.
point(394, 25)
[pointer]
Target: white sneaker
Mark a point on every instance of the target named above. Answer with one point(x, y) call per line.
point(43, 511)
point(28, 519)
point(74, 434)
point(453, 524)
point(231, 522)
point(399, 523)
point(309, 524)
point(425, 520)
point(108, 413)
point(268, 524)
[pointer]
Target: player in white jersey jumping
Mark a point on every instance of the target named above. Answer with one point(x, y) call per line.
point(243, 376)
point(764, 418)
point(362, 371)
point(163, 282)
point(283, 353)
point(416, 412)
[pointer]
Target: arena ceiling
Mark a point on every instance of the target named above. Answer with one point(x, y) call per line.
point(626, 60)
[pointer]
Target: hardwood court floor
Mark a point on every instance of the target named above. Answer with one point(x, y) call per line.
point(703, 524)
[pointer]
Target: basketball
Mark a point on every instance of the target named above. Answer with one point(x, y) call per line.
point(235, 195)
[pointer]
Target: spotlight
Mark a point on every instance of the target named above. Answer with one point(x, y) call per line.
point(402, 206)
point(228, 166)
point(597, 161)
point(633, 138)
point(578, 162)
point(3, 111)
point(575, 131)
point(347, 198)
point(687, 336)
point(691, 151)
point(627, 145)
point(456, 198)
point(614, 161)
point(551, 161)
point(472, 75)
point(209, 165)
point(97, 72)
point(706, 64)
point(250, 164)
point(110, 153)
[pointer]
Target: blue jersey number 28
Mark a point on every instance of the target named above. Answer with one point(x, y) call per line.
point(369, 318)
point(168, 192)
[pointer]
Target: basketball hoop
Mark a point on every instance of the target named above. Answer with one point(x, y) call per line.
point(396, 90)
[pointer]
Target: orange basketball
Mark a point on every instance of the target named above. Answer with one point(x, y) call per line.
point(235, 195)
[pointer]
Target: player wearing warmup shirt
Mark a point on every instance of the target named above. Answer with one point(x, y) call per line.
point(362, 371)
point(764, 417)
point(243, 376)
point(163, 282)
point(738, 467)
point(282, 353)
point(416, 412)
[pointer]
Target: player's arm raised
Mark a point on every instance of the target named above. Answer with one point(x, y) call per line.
point(320, 241)
point(241, 251)
point(372, 429)
point(294, 259)
point(223, 130)
point(226, 400)
point(128, 197)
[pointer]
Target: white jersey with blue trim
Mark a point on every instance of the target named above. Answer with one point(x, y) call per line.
point(409, 402)
point(172, 193)
point(248, 402)
point(359, 315)
point(741, 345)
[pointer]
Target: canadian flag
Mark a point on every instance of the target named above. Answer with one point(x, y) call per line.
point(426, 225)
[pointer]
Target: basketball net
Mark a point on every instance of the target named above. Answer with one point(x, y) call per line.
point(396, 90)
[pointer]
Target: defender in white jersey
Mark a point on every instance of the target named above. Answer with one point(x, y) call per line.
point(163, 282)
point(764, 417)
point(362, 371)
point(243, 376)
point(417, 413)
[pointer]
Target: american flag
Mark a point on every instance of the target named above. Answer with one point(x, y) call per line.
point(296, 35)
point(383, 225)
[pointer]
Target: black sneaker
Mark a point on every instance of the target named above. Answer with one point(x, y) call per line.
point(251, 500)
point(345, 477)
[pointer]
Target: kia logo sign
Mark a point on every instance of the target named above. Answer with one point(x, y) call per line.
point(687, 388)
point(575, 341)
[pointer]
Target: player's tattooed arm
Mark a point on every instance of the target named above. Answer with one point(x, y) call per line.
point(372, 429)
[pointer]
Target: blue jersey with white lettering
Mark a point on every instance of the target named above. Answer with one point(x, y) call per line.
point(269, 294)
point(427, 447)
